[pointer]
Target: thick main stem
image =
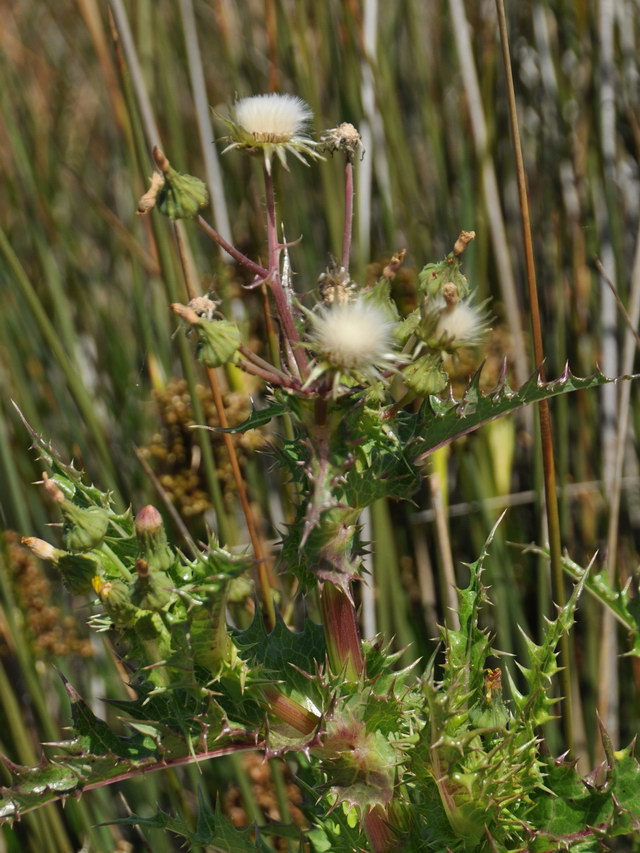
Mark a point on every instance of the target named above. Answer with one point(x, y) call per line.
point(379, 831)
point(553, 517)
point(341, 630)
point(274, 281)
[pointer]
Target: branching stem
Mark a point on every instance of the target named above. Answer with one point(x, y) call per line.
point(153, 767)
point(275, 283)
point(211, 232)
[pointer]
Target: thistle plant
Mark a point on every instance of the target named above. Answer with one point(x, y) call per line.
point(420, 758)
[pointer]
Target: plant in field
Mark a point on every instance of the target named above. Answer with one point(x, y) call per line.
point(387, 758)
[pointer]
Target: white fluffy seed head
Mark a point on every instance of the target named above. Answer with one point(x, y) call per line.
point(463, 325)
point(273, 118)
point(352, 336)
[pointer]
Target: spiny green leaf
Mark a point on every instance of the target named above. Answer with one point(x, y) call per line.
point(258, 418)
point(213, 829)
point(282, 653)
point(68, 477)
point(441, 422)
point(577, 810)
point(95, 737)
point(621, 603)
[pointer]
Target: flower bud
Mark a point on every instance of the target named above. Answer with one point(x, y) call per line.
point(464, 238)
point(84, 527)
point(218, 340)
point(52, 489)
point(360, 763)
point(433, 278)
point(115, 597)
point(149, 200)
point(181, 196)
point(152, 589)
point(152, 540)
point(78, 571)
point(391, 269)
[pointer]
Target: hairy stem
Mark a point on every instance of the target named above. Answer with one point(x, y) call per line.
point(273, 279)
point(151, 767)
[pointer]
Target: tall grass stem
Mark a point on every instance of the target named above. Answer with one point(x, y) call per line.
point(553, 516)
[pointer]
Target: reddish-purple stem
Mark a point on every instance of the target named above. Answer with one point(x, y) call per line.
point(267, 375)
point(255, 268)
point(379, 831)
point(152, 767)
point(341, 625)
point(273, 280)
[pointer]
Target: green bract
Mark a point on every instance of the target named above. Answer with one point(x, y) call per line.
point(181, 196)
point(218, 342)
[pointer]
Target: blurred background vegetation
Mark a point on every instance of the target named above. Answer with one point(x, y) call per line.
point(89, 352)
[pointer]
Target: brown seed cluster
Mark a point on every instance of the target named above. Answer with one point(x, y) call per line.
point(174, 452)
point(259, 773)
point(50, 631)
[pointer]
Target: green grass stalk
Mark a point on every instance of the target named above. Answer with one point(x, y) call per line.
point(553, 517)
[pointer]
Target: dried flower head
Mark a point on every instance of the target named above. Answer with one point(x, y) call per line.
point(335, 285)
point(204, 306)
point(464, 238)
point(149, 200)
point(351, 338)
point(275, 124)
point(345, 137)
